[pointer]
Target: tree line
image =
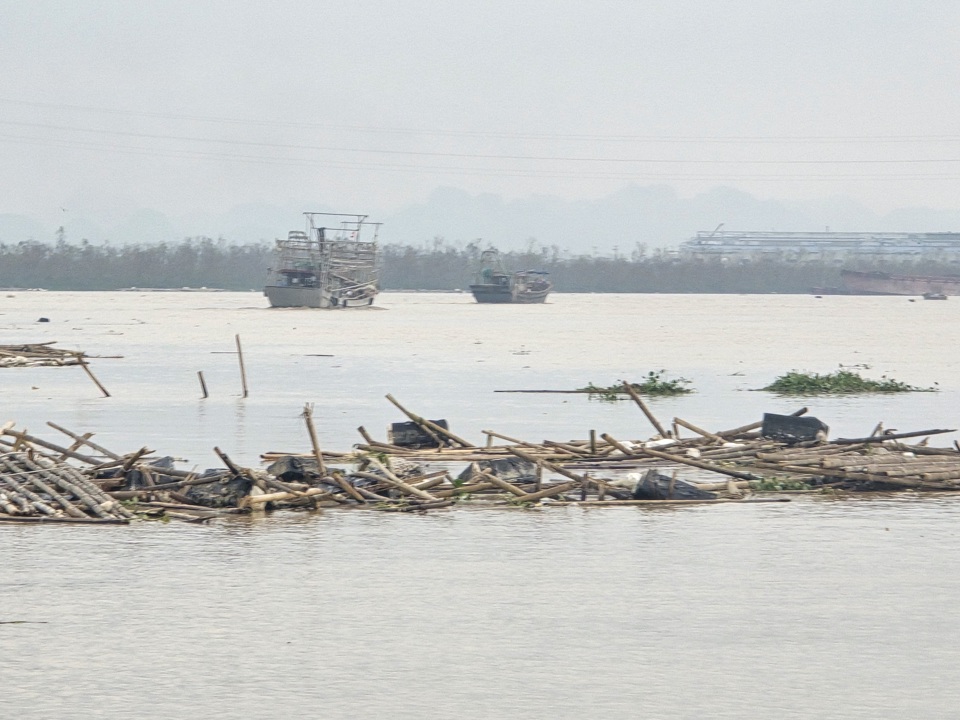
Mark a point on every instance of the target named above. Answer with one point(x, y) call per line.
point(205, 262)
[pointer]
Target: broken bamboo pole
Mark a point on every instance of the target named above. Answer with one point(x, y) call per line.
point(89, 372)
point(646, 411)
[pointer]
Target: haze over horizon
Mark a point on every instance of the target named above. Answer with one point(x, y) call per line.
point(582, 125)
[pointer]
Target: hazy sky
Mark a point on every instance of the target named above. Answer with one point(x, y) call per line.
point(200, 106)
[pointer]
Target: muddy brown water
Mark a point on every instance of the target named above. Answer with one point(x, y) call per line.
point(816, 608)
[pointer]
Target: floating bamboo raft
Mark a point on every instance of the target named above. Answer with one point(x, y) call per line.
point(85, 482)
point(43, 355)
point(35, 489)
point(38, 355)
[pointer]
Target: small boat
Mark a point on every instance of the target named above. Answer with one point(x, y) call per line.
point(326, 267)
point(934, 296)
point(493, 284)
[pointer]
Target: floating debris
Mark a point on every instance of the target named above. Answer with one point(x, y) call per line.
point(34, 488)
point(85, 482)
point(38, 355)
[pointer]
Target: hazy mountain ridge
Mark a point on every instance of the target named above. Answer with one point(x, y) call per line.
point(652, 215)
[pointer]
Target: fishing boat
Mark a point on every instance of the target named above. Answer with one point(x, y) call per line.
point(326, 267)
point(493, 284)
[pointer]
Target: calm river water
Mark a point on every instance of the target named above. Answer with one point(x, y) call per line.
point(816, 608)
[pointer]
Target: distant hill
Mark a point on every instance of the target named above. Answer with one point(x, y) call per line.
point(654, 216)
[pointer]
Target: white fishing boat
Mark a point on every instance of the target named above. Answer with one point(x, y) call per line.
point(326, 267)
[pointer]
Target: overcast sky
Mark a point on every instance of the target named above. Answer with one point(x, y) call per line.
point(196, 107)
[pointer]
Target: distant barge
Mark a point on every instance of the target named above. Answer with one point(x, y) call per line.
point(881, 283)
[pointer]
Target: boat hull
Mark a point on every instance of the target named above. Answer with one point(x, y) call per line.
point(279, 296)
point(878, 283)
point(504, 295)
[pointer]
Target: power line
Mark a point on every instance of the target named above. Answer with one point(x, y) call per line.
point(522, 135)
point(476, 156)
point(455, 170)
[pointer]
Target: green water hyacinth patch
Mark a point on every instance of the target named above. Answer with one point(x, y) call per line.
point(841, 382)
point(654, 384)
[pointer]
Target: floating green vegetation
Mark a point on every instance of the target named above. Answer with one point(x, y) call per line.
point(841, 382)
point(653, 384)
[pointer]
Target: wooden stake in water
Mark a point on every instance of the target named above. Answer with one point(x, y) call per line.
point(87, 370)
point(243, 372)
point(203, 384)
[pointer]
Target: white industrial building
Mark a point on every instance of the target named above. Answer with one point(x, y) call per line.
point(732, 245)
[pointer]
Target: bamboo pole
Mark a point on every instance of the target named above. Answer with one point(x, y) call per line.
point(243, 371)
point(54, 519)
point(23, 437)
point(464, 489)
point(692, 463)
point(549, 466)
point(77, 444)
point(203, 384)
point(252, 500)
point(89, 372)
point(699, 431)
point(646, 411)
point(754, 425)
point(317, 454)
point(132, 458)
point(345, 485)
point(891, 436)
point(234, 469)
point(391, 479)
point(428, 426)
point(85, 440)
point(503, 484)
point(532, 446)
point(547, 492)
point(656, 503)
point(578, 452)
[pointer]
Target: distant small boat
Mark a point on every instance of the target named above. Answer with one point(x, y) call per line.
point(326, 267)
point(493, 284)
point(934, 296)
